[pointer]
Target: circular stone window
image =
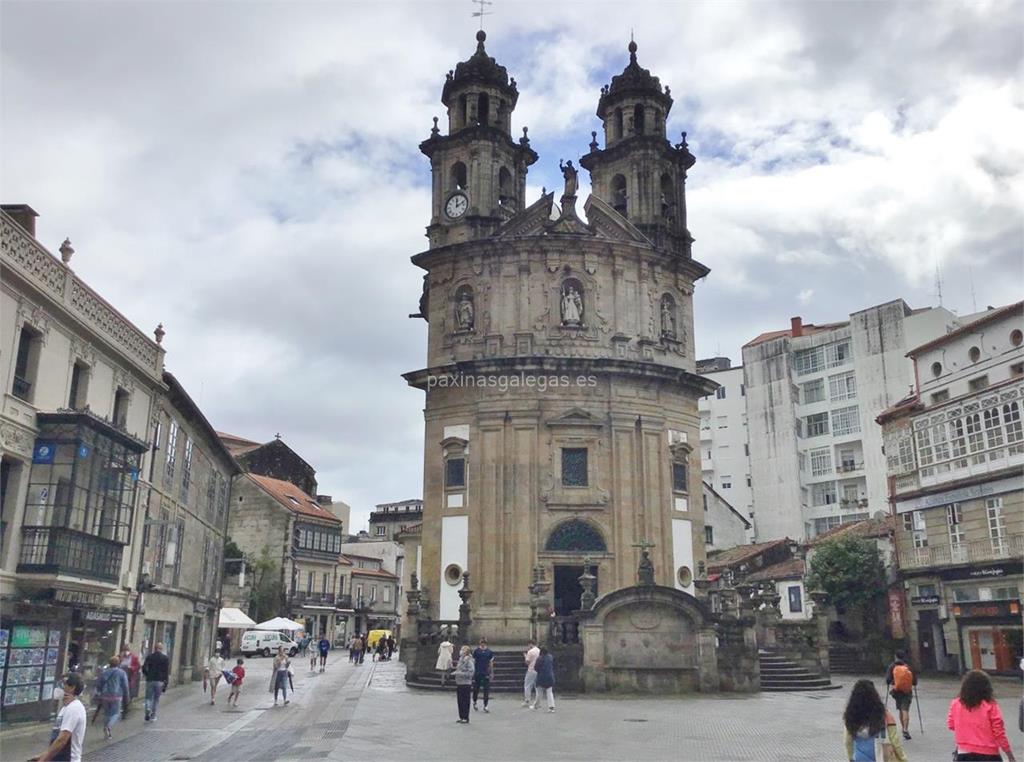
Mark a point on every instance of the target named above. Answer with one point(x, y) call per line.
point(453, 574)
point(936, 369)
point(974, 353)
point(1016, 337)
point(684, 576)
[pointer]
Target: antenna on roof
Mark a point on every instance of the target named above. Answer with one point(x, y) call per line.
point(482, 12)
point(974, 299)
point(938, 282)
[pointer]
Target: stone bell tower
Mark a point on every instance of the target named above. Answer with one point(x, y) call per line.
point(561, 422)
point(478, 171)
point(639, 173)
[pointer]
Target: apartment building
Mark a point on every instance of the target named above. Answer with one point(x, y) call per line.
point(724, 440)
point(955, 451)
point(389, 519)
point(79, 385)
point(812, 394)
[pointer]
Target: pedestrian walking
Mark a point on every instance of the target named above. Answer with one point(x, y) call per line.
point(392, 645)
point(902, 680)
point(111, 688)
point(236, 687)
point(311, 654)
point(323, 646)
point(226, 653)
point(279, 675)
point(67, 736)
point(976, 721)
point(484, 661)
point(132, 666)
point(214, 672)
point(530, 693)
point(444, 659)
point(545, 666)
point(155, 669)
point(364, 643)
point(465, 672)
point(357, 649)
point(869, 731)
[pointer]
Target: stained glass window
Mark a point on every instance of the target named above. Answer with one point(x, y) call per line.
point(576, 536)
point(574, 466)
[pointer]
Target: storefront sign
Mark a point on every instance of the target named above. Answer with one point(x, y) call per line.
point(77, 597)
point(925, 600)
point(104, 616)
point(200, 608)
point(896, 613)
point(973, 492)
point(987, 609)
point(993, 571)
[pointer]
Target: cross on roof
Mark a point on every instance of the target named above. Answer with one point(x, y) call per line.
point(482, 12)
point(644, 545)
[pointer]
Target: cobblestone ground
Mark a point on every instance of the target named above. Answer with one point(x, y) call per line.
point(367, 713)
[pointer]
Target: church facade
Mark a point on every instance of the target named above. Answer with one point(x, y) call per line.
point(561, 418)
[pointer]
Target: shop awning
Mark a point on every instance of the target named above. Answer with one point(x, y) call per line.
point(231, 618)
point(280, 623)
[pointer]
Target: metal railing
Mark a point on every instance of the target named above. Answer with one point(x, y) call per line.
point(993, 549)
point(324, 599)
point(57, 550)
point(22, 388)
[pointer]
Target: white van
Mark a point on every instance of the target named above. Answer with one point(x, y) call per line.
point(266, 642)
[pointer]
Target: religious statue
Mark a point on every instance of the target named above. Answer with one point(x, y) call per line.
point(668, 320)
point(569, 172)
point(464, 313)
point(572, 306)
point(645, 572)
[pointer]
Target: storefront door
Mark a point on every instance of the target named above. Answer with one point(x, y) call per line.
point(983, 654)
point(926, 620)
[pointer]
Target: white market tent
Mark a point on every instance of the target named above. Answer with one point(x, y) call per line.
point(280, 623)
point(231, 618)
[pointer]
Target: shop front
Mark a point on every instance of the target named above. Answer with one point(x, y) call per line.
point(33, 644)
point(991, 635)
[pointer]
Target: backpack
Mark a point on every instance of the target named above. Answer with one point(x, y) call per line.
point(873, 748)
point(902, 679)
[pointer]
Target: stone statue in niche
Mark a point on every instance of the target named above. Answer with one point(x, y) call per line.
point(668, 319)
point(570, 173)
point(465, 314)
point(645, 572)
point(572, 306)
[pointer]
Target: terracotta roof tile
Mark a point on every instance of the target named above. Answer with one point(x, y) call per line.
point(292, 498)
point(876, 527)
point(374, 573)
point(788, 569)
point(996, 314)
point(807, 330)
point(740, 553)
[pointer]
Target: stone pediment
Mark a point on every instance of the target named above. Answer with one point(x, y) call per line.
point(576, 417)
point(605, 222)
point(531, 221)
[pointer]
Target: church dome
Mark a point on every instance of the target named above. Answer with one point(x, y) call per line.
point(635, 81)
point(479, 69)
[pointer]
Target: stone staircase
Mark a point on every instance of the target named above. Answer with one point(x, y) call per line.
point(845, 660)
point(779, 674)
point(509, 672)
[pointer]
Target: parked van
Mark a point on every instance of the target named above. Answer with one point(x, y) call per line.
point(376, 635)
point(266, 642)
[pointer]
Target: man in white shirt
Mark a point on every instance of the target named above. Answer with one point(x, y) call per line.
point(69, 730)
point(530, 682)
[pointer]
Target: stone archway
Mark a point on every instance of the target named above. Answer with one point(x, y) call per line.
point(649, 639)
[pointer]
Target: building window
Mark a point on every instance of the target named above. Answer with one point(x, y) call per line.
point(679, 477)
point(842, 387)
point(726, 482)
point(172, 451)
point(746, 449)
point(846, 420)
point(743, 390)
point(705, 496)
point(927, 591)
point(186, 469)
point(996, 524)
point(720, 393)
point(709, 535)
point(796, 603)
point(956, 530)
point(750, 482)
point(940, 396)
point(1012, 424)
point(722, 421)
point(387, 593)
point(824, 494)
point(837, 354)
point(120, 414)
point(26, 364)
point(977, 384)
point(1017, 370)
point(455, 473)
point(817, 424)
point(574, 467)
point(1016, 337)
point(974, 354)
point(309, 583)
point(821, 461)
point(808, 361)
point(79, 393)
point(813, 391)
point(382, 531)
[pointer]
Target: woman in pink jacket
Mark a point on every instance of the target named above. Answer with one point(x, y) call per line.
point(976, 721)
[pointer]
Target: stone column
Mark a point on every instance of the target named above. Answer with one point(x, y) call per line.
point(707, 660)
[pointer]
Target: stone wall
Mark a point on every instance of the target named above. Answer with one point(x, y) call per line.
point(739, 668)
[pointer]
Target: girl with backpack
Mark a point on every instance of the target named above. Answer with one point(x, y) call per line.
point(976, 721)
point(869, 731)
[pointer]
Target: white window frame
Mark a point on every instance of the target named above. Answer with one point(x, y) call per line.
point(845, 420)
point(821, 461)
point(842, 386)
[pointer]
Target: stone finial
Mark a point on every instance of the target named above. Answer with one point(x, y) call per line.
point(159, 333)
point(525, 140)
point(593, 140)
point(66, 251)
point(434, 131)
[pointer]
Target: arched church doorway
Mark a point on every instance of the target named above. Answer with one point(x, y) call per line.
point(568, 590)
point(572, 538)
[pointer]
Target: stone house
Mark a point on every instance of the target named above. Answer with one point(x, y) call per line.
point(374, 594)
point(724, 526)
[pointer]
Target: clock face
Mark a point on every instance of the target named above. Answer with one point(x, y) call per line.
point(456, 206)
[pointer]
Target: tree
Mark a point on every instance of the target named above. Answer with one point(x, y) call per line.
point(265, 590)
point(850, 570)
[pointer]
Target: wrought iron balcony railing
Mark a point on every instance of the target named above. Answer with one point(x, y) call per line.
point(994, 549)
point(58, 550)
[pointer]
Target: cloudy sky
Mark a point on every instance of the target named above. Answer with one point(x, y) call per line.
point(247, 173)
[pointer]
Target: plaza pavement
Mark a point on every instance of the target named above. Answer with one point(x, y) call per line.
point(368, 714)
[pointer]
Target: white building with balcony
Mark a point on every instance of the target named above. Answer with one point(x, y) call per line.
point(812, 393)
point(955, 453)
point(724, 444)
point(80, 384)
